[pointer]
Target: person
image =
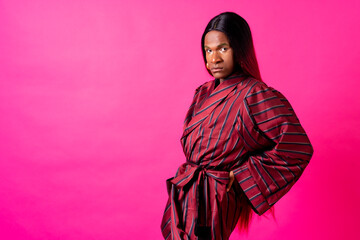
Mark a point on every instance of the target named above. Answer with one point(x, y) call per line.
point(243, 143)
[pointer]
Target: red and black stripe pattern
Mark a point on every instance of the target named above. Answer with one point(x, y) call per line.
point(245, 126)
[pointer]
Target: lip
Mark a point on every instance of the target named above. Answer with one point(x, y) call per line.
point(217, 69)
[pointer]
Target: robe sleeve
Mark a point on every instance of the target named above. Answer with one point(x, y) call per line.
point(278, 147)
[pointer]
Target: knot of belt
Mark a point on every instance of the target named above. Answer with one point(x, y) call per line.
point(200, 174)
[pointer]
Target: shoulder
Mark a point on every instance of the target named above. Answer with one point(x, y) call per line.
point(262, 98)
point(260, 91)
point(205, 85)
point(256, 87)
point(203, 88)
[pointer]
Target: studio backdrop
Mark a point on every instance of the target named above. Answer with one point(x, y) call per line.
point(93, 95)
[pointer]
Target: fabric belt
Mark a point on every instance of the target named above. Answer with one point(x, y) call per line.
point(197, 173)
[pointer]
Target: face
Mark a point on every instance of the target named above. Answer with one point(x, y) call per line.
point(219, 54)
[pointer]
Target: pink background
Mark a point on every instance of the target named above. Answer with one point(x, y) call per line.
point(93, 95)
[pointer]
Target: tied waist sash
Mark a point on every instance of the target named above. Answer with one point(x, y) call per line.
point(189, 174)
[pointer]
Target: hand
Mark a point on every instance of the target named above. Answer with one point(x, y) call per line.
point(231, 180)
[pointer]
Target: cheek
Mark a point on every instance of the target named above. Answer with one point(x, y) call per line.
point(230, 61)
point(208, 58)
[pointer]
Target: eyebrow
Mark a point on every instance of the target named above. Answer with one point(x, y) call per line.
point(220, 45)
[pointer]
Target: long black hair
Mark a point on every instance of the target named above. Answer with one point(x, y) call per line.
point(238, 32)
point(239, 35)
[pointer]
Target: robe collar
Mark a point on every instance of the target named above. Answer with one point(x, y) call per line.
point(213, 99)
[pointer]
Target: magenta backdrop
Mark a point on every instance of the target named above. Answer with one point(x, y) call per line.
point(93, 95)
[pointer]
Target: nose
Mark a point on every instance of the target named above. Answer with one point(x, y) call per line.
point(216, 58)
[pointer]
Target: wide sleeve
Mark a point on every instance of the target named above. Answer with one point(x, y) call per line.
point(278, 147)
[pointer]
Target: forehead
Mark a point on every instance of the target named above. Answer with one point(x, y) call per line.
point(215, 38)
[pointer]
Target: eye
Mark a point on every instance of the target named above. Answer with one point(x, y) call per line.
point(208, 50)
point(223, 49)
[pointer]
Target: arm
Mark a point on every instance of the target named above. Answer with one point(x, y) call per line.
point(279, 149)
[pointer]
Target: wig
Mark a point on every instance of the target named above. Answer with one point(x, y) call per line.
point(239, 35)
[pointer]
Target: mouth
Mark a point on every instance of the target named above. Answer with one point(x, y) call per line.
point(216, 69)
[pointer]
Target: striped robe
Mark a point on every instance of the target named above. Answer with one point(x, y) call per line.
point(244, 126)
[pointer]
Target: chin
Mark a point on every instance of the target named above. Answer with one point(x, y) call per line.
point(220, 75)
